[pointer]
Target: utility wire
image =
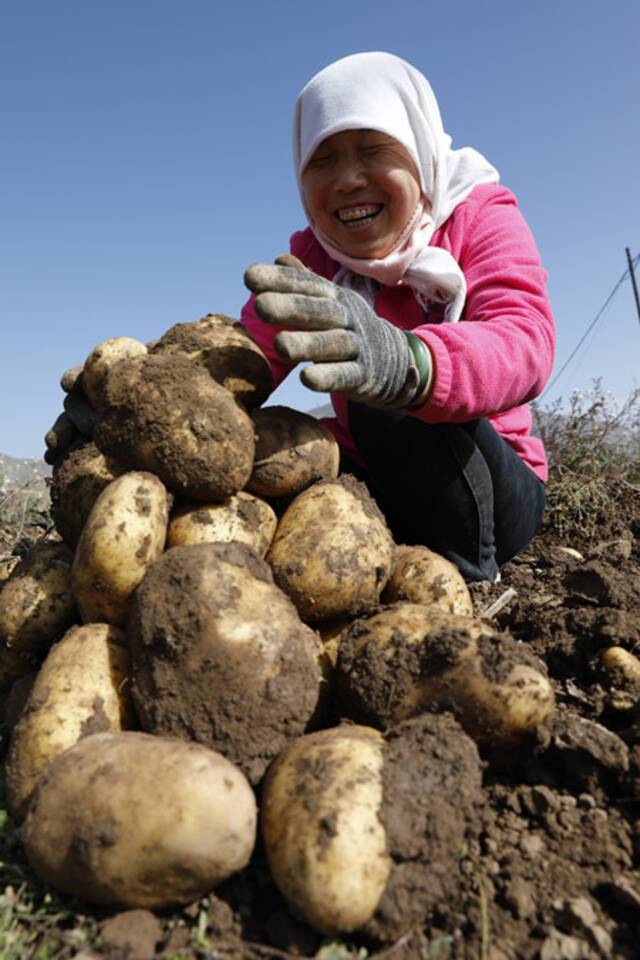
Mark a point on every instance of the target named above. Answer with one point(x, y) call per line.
point(627, 273)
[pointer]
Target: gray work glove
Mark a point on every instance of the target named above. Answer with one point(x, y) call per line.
point(353, 351)
point(76, 423)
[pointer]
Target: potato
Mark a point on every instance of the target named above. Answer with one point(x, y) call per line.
point(293, 450)
point(620, 671)
point(130, 820)
point(422, 576)
point(410, 657)
point(78, 478)
point(334, 874)
point(360, 830)
point(102, 359)
point(225, 349)
point(220, 655)
point(165, 414)
point(36, 607)
point(332, 551)
point(82, 688)
point(124, 534)
point(241, 517)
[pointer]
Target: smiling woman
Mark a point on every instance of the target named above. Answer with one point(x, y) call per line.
point(417, 294)
point(360, 189)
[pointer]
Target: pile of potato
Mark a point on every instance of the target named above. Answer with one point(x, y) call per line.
point(221, 612)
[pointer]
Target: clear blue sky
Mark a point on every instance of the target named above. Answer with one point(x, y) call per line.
point(145, 161)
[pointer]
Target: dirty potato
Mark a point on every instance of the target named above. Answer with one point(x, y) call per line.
point(82, 688)
point(293, 451)
point(422, 576)
point(242, 517)
point(36, 607)
point(102, 359)
point(220, 655)
point(165, 414)
point(124, 534)
point(78, 478)
point(223, 346)
point(332, 551)
point(130, 820)
point(409, 657)
point(359, 828)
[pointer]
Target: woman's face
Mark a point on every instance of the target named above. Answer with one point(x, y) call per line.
point(361, 188)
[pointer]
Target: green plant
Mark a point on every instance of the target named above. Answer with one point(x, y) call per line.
point(593, 444)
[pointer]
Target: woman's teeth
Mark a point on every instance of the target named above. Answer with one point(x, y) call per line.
point(359, 216)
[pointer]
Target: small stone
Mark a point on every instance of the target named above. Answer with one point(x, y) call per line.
point(579, 916)
point(544, 799)
point(586, 801)
point(518, 896)
point(132, 934)
point(559, 946)
point(532, 845)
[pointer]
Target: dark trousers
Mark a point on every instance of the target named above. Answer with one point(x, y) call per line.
point(457, 488)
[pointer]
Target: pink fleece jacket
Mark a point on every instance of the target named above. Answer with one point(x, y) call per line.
point(498, 357)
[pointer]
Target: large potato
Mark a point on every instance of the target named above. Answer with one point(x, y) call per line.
point(225, 349)
point(130, 820)
point(410, 657)
point(365, 832)
point(242, 517)
point(220, 655)
point(165, 414)
point(293, 450)
point(332, 551)
point(101, 361)
point(124, 534)
point(422, 576)
point(82, 688)
point(78, 478)
point(36, 607)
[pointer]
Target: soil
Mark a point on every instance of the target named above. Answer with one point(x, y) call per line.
point(220, 656)
point(165, 414)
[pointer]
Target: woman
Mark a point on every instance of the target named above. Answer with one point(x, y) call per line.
point(418, 296)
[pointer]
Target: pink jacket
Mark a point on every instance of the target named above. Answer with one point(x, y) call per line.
point(498, 357)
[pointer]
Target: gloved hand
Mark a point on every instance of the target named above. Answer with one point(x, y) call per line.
point(354, 351)
point(75, 423)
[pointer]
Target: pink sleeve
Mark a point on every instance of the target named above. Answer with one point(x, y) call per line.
point(303, 246)
point(501, 353)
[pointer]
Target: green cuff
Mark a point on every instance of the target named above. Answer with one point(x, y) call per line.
point(422, 357)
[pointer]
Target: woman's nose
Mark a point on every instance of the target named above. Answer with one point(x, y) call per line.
point(351, 174)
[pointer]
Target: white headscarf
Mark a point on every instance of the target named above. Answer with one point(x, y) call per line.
point(379, 91)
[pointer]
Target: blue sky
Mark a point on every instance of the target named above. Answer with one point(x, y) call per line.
point(145, 162)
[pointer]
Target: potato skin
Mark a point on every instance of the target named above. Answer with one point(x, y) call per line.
point(82, 688)
point(322, 830)
point(78, 479)
point(124, 534)
point(220, 655)
point(293, 451)
point(421, 576)
point(130, 820)
point(165, 414)
point(36, 607)
point(102, 359)
point(242, 517)
point(332, 551)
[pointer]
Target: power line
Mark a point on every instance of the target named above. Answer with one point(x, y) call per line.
point(590, 327)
